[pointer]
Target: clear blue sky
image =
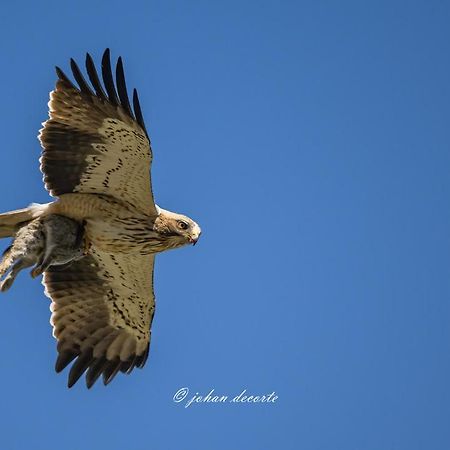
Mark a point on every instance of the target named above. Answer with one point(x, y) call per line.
point(311, 142)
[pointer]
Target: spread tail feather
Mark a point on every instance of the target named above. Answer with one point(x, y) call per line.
point(11, 220)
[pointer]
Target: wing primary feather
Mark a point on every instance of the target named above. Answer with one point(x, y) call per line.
point(142, 359)
point(94, 372)
point(63, 360)
point(108, 78)
point(79, 78)
point(62, 76)
point(111, 370)
point(126, 366)
point(122, 87)
point(79, 367)
point(138, 112)
point(132, 366)
point(93, 76)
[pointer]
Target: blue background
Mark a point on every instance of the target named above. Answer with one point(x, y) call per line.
point(311, 142)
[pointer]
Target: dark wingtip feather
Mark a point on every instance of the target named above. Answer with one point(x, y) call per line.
point(111, 370)
point(94, 372)
point(79, 367)
point(63, 77)
point(106, 91)
point(122, 87)
point(127, 366)
point(63, 360)
point(93, 76)
point(138, 111)
point(108, 79)
point(79, 78)
point(142, 359)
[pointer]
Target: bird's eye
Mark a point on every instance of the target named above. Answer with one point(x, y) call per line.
point(182, 225)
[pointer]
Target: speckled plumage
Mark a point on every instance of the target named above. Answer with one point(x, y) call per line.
point(96, 160)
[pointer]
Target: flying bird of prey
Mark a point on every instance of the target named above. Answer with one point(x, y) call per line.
point(96, 161)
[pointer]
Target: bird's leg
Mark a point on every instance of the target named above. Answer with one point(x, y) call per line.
point(82, 241)
point(35, 272)
point(42, 265)
point(86, 246)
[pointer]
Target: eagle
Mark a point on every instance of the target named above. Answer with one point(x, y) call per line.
point(96, 159)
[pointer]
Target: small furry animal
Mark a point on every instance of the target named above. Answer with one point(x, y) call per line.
point(47, 241)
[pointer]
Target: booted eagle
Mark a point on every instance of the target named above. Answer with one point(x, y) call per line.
point(96, 161)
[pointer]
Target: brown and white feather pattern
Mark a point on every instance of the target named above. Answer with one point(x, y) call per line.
point(93, 144)
point(102, 310)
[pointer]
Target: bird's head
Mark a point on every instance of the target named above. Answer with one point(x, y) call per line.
point(177, 228)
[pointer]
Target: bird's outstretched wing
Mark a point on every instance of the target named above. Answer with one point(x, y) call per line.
point(94, 141)
point(102, 310)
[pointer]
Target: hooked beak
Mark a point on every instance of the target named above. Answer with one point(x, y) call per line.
point(194, 238)
point(195, 234)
